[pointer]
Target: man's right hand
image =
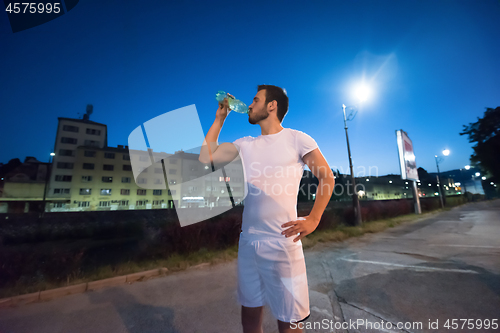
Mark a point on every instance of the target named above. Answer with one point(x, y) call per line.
point(223, 109)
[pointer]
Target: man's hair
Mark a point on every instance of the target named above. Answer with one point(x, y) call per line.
point(277, 94)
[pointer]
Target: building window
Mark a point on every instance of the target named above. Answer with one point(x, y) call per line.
point(172, 161)
point(126, 157)
point(109, 155)
point(156, 192)
point(140, 203)
point(69, 128)
point(86, 179)
point(59, 205)
point(105, 191)
point(108, 167)
point(171, 192)
point(141, 192)
point(62, 178)
point(83, 203)
point(61, 191)
point(158, 181)
point(127, 167)
point(124, 191)
point(91, 143)
point(172, 171)
point(66, 152)
point(157, 202)
point(89, 153)
point(68, 140)
point(158, 170)
point(104, 203)
point(124, 203)
point(93, 131)
point(85, 191)
point(141, 181)
point(107, 179)
point(143, 158)
point(88, 166)
point(64, 165)
point(125, 179)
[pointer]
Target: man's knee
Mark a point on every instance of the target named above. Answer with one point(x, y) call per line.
point(251, 317)
point(251, 313)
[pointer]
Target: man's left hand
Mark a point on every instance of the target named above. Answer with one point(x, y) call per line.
point(301, 228)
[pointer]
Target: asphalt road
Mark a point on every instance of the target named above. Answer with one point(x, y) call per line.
point(428, 272)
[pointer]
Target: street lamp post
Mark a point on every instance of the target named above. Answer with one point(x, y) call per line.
point(355, 199)
point(463, 181)
point(46, 183)
point(446, 152)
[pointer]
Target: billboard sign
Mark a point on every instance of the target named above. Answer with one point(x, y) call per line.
point(406, 156)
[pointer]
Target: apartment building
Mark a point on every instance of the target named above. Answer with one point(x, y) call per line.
point(72, 133)
point(102, 179)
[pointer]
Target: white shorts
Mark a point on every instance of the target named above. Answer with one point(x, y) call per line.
point(273, 271)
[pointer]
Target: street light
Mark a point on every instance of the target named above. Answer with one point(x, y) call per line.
point(467, 167)
point(446, 152)
point(362, 93)
point(46, 182)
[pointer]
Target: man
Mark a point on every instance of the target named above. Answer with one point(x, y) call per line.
point(271, 267)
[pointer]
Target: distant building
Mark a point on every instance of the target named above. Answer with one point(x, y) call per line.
point(88, 175)
point(22, 188)
point(71, 134)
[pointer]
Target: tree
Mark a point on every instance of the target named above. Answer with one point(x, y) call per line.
point(423, 175)
point(485, 133)
point(6, 168)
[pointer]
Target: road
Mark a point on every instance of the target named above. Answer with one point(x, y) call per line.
point(435, 269)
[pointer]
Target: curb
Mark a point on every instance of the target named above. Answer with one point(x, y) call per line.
point(80, 288)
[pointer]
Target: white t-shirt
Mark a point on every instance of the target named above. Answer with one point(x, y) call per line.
point(273, 168)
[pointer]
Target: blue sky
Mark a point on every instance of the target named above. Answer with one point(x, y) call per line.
point(432, 65)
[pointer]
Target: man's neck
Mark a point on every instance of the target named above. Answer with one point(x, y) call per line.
point(270, 128)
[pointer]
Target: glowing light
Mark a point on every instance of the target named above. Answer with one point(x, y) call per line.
point(362, 92)
point(483, 178)
point(446, 152)
point(478, 174)
point(467, 167)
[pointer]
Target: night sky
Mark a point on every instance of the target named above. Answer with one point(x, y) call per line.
point(433, 66)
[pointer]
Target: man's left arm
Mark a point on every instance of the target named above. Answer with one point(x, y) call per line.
point(320, 168)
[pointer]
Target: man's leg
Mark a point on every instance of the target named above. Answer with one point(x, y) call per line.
point(287, 327)
point(251, 319)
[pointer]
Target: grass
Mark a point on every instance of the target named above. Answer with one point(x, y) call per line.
point(178, 262)
point(175, 262)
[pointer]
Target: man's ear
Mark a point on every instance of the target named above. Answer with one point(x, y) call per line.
point(273, 105)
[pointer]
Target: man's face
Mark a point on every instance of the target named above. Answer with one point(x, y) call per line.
point(257, 111)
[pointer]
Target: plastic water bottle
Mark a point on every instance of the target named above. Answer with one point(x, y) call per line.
point(234, 104)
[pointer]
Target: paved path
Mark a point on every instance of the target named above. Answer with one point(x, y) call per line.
point(444, 267)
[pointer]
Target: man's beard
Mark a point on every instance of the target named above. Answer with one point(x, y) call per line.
point(258, 117)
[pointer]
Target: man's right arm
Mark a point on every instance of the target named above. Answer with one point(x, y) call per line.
point(210, 150)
